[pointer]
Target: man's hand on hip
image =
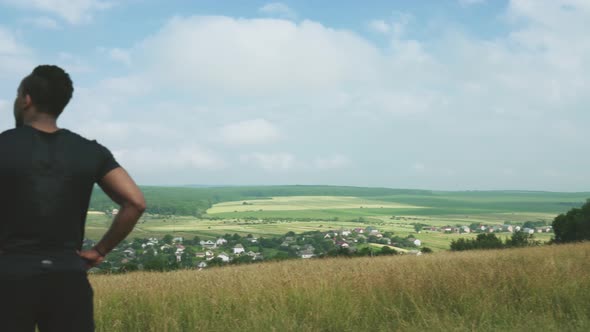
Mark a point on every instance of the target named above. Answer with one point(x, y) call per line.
point(92, 257)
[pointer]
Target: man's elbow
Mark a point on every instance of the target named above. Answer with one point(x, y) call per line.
point(136, 204)
point(140, 205)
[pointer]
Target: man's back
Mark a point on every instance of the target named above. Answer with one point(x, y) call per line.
point(46, 180)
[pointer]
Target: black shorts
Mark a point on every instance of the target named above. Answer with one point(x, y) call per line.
point(52, 301)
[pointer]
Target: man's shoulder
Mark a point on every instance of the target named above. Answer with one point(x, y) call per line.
point(9, 132)
point(10, 135)
point(82, 139)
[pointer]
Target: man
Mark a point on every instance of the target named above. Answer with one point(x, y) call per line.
point(46, 178)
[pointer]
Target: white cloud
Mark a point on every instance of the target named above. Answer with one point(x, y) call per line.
point(74, 12)
point(249, 132)
point(269, 161)
point(42, 22)
point(15, 58)
point(170, 159)
point(73, 64)
point(278, 9)
point(379, 26)
point(396, 26)
point(125, 86)
point(333, 162)
point(258, 57)
point(120, 55)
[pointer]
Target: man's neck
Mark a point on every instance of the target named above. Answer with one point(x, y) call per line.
point(43, 122)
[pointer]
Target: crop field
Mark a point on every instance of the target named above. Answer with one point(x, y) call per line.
point(297, 203)
point(531, 289)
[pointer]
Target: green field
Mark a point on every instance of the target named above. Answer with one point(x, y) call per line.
point(272, 211)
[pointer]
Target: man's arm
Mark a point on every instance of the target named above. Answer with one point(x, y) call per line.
point(121, 188)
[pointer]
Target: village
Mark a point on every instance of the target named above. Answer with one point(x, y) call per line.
point(169, 252)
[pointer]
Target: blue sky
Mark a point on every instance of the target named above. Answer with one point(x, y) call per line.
point(453, 95)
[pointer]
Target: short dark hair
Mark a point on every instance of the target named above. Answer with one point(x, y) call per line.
point(50, 88)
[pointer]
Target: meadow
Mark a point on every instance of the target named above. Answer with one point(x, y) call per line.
point(540, 288)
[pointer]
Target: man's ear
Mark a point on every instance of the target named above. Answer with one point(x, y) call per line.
point(27, 102)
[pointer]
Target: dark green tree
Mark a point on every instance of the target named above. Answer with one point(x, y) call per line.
point(167, 239)
point(573, 226)
point(426, 250)
point(385, 250)
point(520, 239)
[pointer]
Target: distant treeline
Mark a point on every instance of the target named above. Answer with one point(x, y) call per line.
point(195, 201)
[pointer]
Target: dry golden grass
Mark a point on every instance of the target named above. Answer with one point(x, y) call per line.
point(544, 288)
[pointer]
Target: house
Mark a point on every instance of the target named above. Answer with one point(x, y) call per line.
point(202, 265)
point(253, 240)
point(447, 229)
point(306, 253)
point(465, 229)
point(115, 212)
point(209, 255)
point(221, 241)
point(129, 252)
point(308, 247)
point(417, 242)
point(178, 239)
point(359, 230)
point(528, 230)
point(238, 249)
point(327, 236)
point(166, 246)
point(200, 255)
point(345, 233)
point(508, 228)
point(342, 244)
point(224, 257)
point(208, 244)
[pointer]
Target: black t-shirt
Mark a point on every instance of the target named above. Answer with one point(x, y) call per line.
point(46, 180)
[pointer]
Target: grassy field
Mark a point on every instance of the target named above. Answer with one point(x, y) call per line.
point(543, 288)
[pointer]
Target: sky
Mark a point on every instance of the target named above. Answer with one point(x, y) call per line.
point(441, 95)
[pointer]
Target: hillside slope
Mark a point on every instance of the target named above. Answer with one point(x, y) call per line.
point(544, 288)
